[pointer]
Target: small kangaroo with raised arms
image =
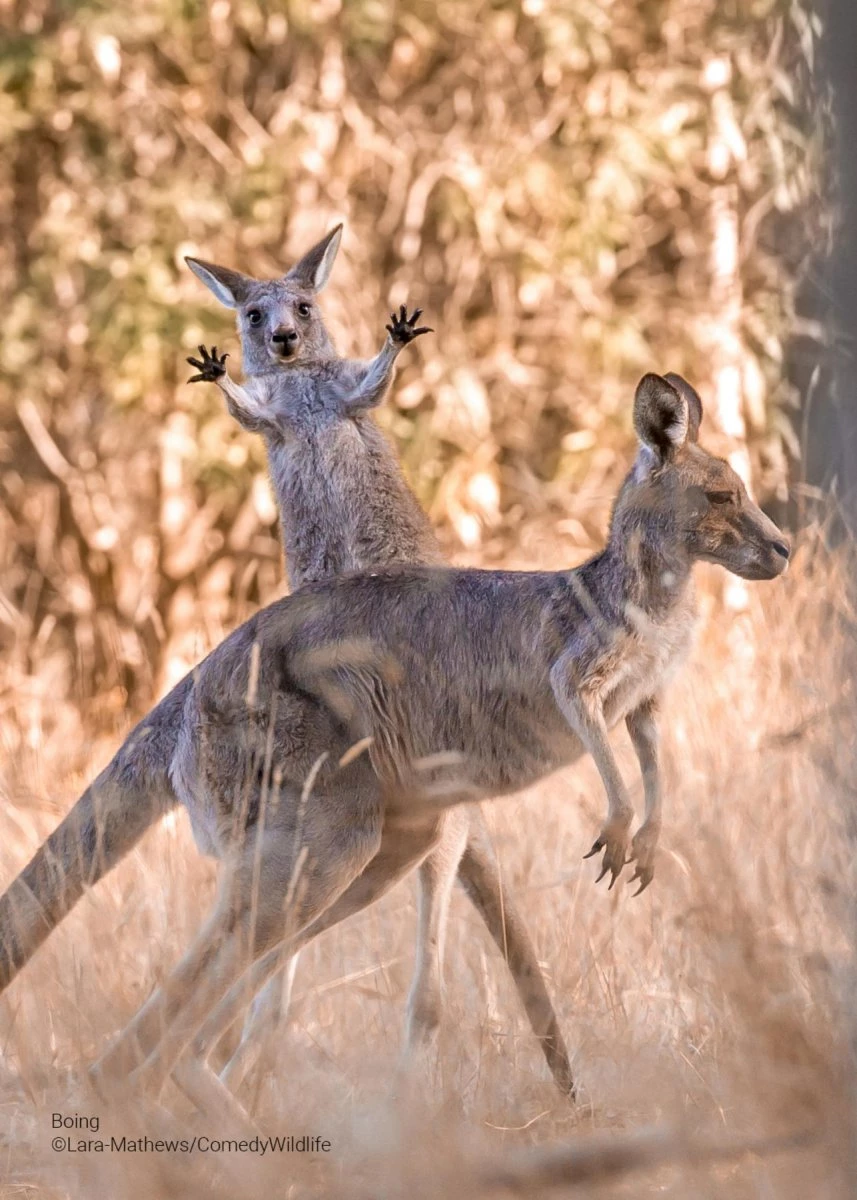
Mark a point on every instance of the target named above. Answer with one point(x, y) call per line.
point(369, 703)
point(345, 505)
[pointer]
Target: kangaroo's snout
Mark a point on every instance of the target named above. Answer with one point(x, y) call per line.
point(779, 553)
point(766, 548)
point(777, 548)
point(285, 341)
point(773, 561)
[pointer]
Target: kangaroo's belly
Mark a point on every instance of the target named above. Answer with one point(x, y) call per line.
point(500, 745)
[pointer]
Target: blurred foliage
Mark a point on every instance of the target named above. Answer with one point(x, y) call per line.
point(538, 176)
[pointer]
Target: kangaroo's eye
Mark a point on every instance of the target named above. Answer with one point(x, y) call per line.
point(718, 497)
point(254, 316)
point(304, 309)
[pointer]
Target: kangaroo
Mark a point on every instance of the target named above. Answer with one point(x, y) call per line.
point(344, 505)
point(320, 740)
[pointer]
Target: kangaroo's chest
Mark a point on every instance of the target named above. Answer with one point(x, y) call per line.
point(641, 661)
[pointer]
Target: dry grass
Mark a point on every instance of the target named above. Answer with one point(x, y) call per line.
point(715, 1007)
point(546, 178)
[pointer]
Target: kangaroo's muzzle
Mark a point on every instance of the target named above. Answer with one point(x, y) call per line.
point(285, 342)
point(765, 560)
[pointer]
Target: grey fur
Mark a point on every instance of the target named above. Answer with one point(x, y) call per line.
point(345, 505)
point(456, 685)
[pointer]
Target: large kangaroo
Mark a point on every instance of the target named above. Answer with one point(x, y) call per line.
point(318, 743)
point(344, 505)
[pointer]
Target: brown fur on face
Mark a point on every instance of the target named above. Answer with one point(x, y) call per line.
point(278, 320)
point(689, 498)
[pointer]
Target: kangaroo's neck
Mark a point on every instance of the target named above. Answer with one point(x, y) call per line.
point(344, 503)
point(647, 564)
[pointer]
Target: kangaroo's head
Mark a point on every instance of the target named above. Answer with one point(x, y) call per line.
point(279, 321)
point(687, 502)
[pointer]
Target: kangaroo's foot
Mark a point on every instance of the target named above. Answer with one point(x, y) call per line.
point(643, 847)
point(613, 840)
point(402, 327)
point(418, 1074)
point(210, 1095)
point(210, 367)
point(110, 1073)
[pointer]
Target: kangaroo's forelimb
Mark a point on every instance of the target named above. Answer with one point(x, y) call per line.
point(585, 716)
point(246, 402)
point(643, 729)
point(372, 379)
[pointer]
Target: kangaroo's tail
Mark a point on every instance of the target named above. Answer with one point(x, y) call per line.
point(131, 793)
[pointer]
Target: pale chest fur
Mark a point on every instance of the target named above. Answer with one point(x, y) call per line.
point(640, 662)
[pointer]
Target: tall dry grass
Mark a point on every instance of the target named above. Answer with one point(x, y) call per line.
point(549, 178)
point(716, 1008)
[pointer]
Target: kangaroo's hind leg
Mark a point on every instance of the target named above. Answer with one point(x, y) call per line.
point(276, 884)
point(405, 843)
point(437, 874)
point(436, 878)
point(462, 848)
point(268, 1011)
point(465, 850)
point(479, 875)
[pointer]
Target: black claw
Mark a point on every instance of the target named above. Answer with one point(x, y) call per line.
point(597, 845)
point(417, 313)
point(601, 875)
point(645, 877)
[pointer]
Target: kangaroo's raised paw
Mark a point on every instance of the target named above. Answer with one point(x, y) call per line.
point(209, 366)
point(403, 328)
point(613, 840)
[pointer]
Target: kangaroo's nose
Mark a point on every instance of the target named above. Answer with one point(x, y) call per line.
point(285, 336)
point(783, 549)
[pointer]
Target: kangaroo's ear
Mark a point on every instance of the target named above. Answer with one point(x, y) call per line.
point(694, 404)
point(313, 270)
point(661, 416)
point(230, 287)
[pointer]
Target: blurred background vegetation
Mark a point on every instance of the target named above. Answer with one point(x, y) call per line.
point(576, 191)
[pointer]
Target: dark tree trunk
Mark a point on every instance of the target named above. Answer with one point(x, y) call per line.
point(831, 451)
